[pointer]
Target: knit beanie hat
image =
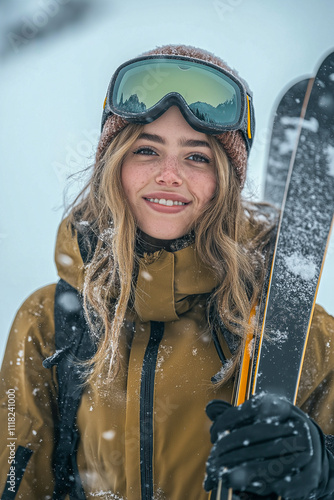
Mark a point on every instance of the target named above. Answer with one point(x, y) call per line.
point(232, 141)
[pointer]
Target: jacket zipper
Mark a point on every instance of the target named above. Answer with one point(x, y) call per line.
point(146, 409)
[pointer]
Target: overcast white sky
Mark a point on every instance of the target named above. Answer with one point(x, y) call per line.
point(57, 57)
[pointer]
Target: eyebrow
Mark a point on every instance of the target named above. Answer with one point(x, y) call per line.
point(193, 143)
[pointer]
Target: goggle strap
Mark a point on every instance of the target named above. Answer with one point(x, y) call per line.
point(249, 130)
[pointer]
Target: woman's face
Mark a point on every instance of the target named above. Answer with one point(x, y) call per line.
point(169, 176)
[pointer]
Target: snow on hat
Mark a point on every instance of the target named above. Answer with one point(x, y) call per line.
point(232, 141)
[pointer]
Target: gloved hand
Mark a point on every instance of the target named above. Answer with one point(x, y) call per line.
point(267, 445)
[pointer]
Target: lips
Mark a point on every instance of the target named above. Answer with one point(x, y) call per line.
point(167, 203)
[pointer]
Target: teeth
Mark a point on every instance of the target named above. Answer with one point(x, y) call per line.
point(162, 201)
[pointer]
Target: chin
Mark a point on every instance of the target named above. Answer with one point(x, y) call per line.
point(166, 235)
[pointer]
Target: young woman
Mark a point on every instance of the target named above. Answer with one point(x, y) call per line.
point(107, 375)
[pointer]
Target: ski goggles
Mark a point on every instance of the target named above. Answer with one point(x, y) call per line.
point(211, 99)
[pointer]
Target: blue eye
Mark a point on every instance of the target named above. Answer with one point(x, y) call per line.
point(198, 158)
point(144, 151)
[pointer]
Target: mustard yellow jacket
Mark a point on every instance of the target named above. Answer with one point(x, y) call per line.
point(116, 456)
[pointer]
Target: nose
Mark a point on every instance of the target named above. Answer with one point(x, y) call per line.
point(169, 174)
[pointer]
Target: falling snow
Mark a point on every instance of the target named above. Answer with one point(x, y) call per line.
point(146, 276)
point(108, 435)
point(64, 259)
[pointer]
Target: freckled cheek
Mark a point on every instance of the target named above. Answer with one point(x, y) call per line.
point(205, 187)
point(134, 179)
point(136, 174)
point(128, 176)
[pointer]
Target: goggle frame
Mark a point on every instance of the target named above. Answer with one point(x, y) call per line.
point(245, 123)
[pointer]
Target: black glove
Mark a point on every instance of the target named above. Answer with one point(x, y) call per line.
point(267, 445)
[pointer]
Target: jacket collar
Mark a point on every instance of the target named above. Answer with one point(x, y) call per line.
point(169, 283)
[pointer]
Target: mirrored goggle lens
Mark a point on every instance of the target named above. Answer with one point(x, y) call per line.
point(211, 96)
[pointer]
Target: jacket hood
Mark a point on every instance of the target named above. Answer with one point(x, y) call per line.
point(168, 283)
point(69, 262)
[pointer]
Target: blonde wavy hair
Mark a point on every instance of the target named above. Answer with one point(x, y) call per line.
point(229, 237)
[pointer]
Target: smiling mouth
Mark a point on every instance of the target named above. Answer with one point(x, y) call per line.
point(167, 203)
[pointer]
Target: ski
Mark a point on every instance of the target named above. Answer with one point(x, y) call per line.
point(286, 121)
point(302, 239)
point(286, 307)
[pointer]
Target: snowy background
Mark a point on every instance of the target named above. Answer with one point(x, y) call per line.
point(57, 57)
